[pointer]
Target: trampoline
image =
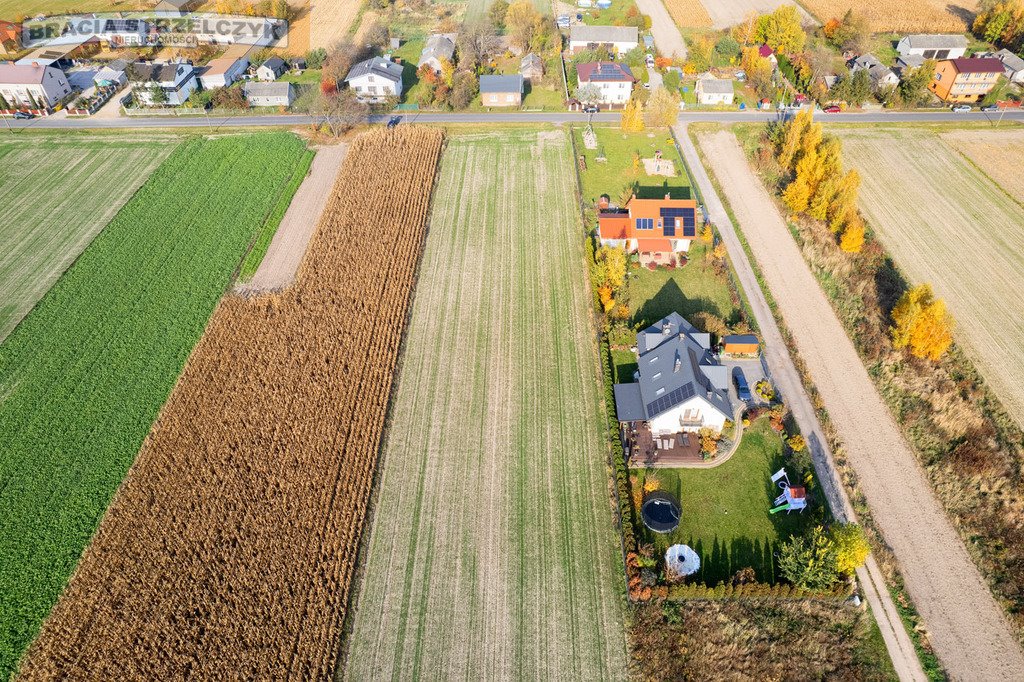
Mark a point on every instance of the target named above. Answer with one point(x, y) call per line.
point(660, 512)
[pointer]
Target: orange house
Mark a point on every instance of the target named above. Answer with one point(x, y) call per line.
point(967, 79)
point(10, 38)
point(656, 228)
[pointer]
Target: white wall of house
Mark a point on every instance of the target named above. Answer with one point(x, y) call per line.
point(904, 48)
point(614, 93)
point(209, 81)
point(681, 245)
point(370, 87)
point(692, 415)
point(53, 88)
point(176, 94)
point(713, 98)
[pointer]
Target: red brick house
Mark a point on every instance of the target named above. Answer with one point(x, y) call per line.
point(657, 229)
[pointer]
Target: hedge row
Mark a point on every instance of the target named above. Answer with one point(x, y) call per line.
point(839, 592)
point(618, 454)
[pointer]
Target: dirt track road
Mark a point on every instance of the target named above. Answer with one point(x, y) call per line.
point(967, 628)
point(667, 37)
point(287, 248)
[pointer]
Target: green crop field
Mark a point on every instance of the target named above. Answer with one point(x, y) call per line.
point(492, 553)
point(83, 376)
point(58, 194)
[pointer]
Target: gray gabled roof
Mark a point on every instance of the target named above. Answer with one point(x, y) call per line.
point(531, 61)
point(159, 73)
point(935, 41)
point(275, 64)
point(378, 66)
point(581, 33)
point(1010, 59)
point(675, 364)
point(265, 89)
point(438, 46)
point(501, 83)
point(718, 86)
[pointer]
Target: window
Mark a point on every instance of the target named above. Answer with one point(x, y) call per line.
point(370, 79)
point(372, 89)
point(510, 97)
point(645, 223)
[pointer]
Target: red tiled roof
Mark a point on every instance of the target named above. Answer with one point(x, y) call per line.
point(764, 51)
point(977, 65)
point(614, 225)
point(654, 245)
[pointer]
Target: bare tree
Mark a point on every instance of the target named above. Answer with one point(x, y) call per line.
point(476, 43)
point(340, 112)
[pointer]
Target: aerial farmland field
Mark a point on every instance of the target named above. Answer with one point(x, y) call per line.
point(492, 553)
point(85, 373)
point(998, 153)
point(58, 194)
point(935, 16)
point(946, 223)
point(726, 13)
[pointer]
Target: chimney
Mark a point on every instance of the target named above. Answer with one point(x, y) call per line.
point(679, 363)
point(666, 329)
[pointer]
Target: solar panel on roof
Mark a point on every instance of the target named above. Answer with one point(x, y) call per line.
point(683, 393)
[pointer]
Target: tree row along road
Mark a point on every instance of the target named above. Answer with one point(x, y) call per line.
point(967, 627)
point(1010, 118)
point(790, 386)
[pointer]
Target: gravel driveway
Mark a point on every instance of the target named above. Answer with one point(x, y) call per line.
point(966, 626)
point(667, 37)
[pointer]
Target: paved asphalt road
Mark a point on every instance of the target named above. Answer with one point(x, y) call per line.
point(510, 117)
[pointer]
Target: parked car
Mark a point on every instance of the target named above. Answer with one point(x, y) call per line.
point(563, 21)
point(393, 121)
point(990, 107)
point(742, 388)
point(961, 108)
point(590, 109)
point(23, 115)
point(832, 109)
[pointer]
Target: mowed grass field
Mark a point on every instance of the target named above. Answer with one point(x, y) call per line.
point(58, 193)
point(84, 375)
point(492, 553)
point(998, 153)
point(946, 223)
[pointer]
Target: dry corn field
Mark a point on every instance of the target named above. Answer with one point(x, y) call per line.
point(492, 554)
point(726, 13)
point(923, 16)
point(228, 550)
point(997, 153)
point(946, 223)
point(688, 13)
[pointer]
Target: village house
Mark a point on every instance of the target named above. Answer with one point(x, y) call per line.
point(175, 6)
point(10, 37)
point(501, 91)
point(532, 68)
point(177, 81)
point(680, 386)
point(657, 229)
point(616, 39)
point(904, 64)
point(375, 79)
point(714, 91)
point(277, 94)
point(222, 72)
point(272, 69)
point(111, 74)
point(1013, 66)
point(965, 80)
point(32, 87)
point(932, 46)
point(439, 48)
point(613, 81)
point(881, 75)
point(769, 54)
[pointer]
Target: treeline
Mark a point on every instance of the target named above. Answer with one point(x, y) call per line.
point(1001, 22)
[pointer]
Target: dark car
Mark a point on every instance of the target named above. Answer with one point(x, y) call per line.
point(742, 388)
point(590, 109)
point(990, 107)
point(393, 121)
point(23, 115)
point(832, 109)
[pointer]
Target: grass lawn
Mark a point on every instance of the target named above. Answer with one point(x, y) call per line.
point(307, 76)
point(624, 363)
point(693, 288)
point(617, 175)
point(725, 509)
point(616, 15)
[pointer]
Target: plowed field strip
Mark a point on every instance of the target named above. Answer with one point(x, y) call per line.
point(229, 549)
point(492, 555)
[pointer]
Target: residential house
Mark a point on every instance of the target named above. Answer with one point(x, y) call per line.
point(440, 47)
point(278, 94)
point(967, 79)
point(111, 74)
point(680, 385)
point(714, 91)
point(932, 46)
point(117, 33)
point(175, 6)
point(272, 69)
point(657, 229)
point(613, 81)
point(32, 86)
point(769, 54)
point(880, 74)
point(906, 63)
point(501, 91)
point(222, 72)
point(375, 79)
point(1013, 66)
point(176, 80)
point(532, 68)
point(10, 38)
point(616, 39)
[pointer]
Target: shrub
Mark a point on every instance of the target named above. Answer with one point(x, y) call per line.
point(810, 561)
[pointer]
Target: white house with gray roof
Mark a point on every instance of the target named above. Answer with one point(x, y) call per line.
point(933, 45)
point(438, 48)
point(713, 91)
point(276, 94)
point(1013, 66)
point(615, 39)
point(176, 80)
point(375, 79)
point(880, 74)
point(679, 383)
